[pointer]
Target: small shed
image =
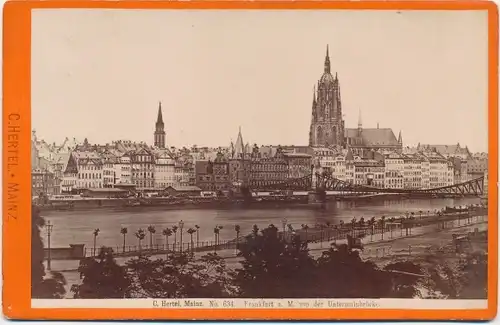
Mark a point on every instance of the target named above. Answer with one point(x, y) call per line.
point(183, 190)
point(105, 193)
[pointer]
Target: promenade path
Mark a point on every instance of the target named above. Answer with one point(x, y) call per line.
point(375, 248)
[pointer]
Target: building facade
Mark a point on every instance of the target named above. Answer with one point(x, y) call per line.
point(267, 170)
point(90, 173)
point(142, 163)
point(123, 170)
point(440, 170)
point(330, 161)
point(394, 171)
point(369, 172)
point(164, 171)
point(412, 171)
point(43, 183)
point(299, 164)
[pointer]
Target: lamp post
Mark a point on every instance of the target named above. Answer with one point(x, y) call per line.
point(284, 222)
point(181, 225)
point(49, 227)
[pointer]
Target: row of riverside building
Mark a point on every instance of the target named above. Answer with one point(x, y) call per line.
point(362, 156)
point(79, 166)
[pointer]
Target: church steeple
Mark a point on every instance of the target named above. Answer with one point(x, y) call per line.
point(159, 135)
point(159, 119)
point(400, 138)
point(327, 125)
point(239, 147)
point(327, 60)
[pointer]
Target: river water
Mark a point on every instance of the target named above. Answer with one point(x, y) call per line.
point(76, 227)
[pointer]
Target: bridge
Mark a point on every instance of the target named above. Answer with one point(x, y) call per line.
point(325, 182)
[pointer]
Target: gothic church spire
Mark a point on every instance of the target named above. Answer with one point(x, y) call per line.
point(327, 61)
point(159, 135)
point(159, 119)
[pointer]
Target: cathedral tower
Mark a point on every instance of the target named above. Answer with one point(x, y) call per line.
point(159, 130)
point(327, 125)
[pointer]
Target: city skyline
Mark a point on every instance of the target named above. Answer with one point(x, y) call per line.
point(243, 77)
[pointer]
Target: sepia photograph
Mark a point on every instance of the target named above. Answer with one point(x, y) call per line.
point(259, 158)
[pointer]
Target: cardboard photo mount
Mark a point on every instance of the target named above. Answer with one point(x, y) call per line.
point(17, 179)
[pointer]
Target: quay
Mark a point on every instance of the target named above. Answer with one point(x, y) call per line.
point(302, 199)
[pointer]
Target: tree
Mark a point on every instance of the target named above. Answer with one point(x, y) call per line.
point(151, 230)
point(406, 275)
point(353, 226)
point(167, 232)
point(102, 277)
point(361, 222)
point(371, 224)
point(216, 237)
point(473, 276)
point(273, 267)
point(237, 229)
point(328, 225)
point(191, 231)
point(174, 230)
point(382, 225)
point(95, 233)
point(180, 276)
point(140, 234)
point(305, 227)
point(124, 232)
point(42, 286)
point(197, 235)
point(343, 274)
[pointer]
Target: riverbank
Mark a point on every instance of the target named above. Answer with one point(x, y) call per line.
point(266, 202)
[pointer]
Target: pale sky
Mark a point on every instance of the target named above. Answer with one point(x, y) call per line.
point(100, 74)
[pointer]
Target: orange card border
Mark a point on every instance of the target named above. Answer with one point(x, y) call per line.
point(16, 152)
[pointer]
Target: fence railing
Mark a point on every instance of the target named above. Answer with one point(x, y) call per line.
point(369, 233)
point(200, 246)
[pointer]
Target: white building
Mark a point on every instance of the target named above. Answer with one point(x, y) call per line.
point(123, 170)
point(331, 161)
point(450, 179)
point(394, 170)
point(369, 172)
point(183, 172)
point(69, 180)
point(108, 172)
point(164, 174)
point(439, 170)
point(90, 170)
point(426, 173)
point(412, 171)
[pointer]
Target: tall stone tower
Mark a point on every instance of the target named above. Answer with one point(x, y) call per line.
point(159, 130)
point(327, 125)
